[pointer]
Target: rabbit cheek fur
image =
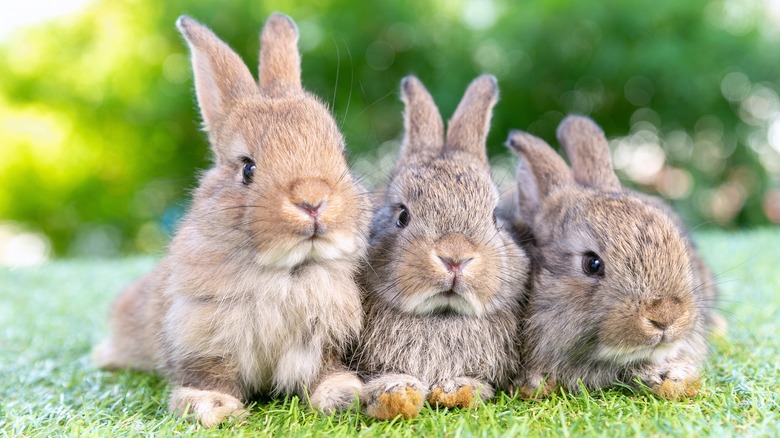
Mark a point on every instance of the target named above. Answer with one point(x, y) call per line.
point(257, 291)
point(645, 315)
point(441, 314)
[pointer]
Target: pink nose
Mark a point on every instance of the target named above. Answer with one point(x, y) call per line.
point(311, 210)
point(452, 265)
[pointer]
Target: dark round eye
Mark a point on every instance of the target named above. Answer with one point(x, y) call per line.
point(403, 217)
point(249, 170)
point(592, 265)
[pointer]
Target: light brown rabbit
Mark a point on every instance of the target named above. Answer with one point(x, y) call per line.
point(257, 291)
point(619, 292)
point(444, 283)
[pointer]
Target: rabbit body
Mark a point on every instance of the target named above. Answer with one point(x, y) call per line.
point(257, 292)
point(441, 314)
point(619, 292)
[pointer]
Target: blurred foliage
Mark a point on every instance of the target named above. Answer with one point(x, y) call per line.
point(99, 131)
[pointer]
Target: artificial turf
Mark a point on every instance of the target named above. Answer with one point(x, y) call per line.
point(51, 315)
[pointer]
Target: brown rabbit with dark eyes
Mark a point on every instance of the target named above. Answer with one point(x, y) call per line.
point(257, 292)
point(619, 292)
point(442, 309)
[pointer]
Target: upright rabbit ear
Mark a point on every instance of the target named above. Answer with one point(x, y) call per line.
point(528, 200)
point(280, 62)
point(540, 173)
point(423, 126)
point(468, 128)
point(220, 75)
point(588, 151)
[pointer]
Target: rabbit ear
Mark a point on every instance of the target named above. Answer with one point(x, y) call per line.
point(423, 126)
point(588, 151)
point(527, 191)
point(468, 128)
point(280, 62)
point(220, 75)
point(541, 172)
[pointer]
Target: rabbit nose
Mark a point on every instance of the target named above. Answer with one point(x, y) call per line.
point(664, 312)
point(310, 195)
point(453, 265)
point(311, 210)
point(660, 325)
point(454, 251)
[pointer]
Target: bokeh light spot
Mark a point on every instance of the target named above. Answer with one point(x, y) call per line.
point(639, 90)
point(176, 68)
point(380, 55)
point(20, 247)
point(479, 14)
point(771, 205)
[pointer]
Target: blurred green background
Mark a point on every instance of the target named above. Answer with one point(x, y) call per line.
point(99, 131)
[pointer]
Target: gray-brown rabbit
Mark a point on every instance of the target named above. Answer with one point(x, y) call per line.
point(619, 292)
point(444, 283)
point(257, 291)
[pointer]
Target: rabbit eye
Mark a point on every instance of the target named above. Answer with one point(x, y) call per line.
point(592, 265)
point(248, 170)
point(403, 217)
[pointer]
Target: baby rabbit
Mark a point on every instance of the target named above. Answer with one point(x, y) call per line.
point(619, 292)
point(257, 293)
point(444, 284)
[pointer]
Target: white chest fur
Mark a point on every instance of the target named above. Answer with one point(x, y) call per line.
point(273, 325)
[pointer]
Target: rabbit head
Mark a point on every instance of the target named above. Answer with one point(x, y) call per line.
point(613, 275)
point(280, 186)
point(435, 245)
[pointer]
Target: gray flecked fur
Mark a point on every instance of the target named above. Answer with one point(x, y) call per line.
point(463, 345)
point(601, 330)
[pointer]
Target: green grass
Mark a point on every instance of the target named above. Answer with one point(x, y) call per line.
point(50, 316)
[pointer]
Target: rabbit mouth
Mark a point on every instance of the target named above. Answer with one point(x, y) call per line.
point(446, 301)
point(453, 288)
point(657, 352)
point(449, 294)
point(314, 230)
point(316, 247)
point(449, 302)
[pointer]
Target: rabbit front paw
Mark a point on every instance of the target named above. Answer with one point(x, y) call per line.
point(210, 408)
point(673, 389)
point(460, 392)
point(673, 382)
point(536, 388)
point(336, 392)
point(394, 395)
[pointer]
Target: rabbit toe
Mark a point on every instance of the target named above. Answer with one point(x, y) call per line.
point(393, 396)
point(676, 389)
point(336, 392)
point(461, 392)
point(538, 388)
point(210, 408)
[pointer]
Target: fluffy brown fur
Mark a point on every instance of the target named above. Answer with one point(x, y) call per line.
point(646, 316)
point(441, 309)
point(257, 291)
